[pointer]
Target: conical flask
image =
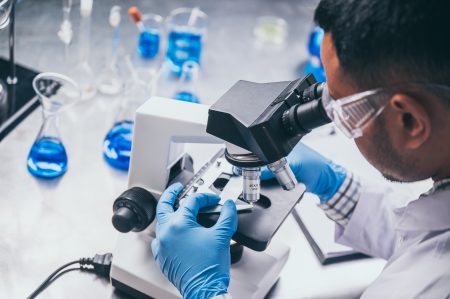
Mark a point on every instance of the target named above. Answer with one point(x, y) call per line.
point(117, 143)
point(48, 157)
point(187, 85)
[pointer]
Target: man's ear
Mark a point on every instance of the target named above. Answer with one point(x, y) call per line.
point(412, 119)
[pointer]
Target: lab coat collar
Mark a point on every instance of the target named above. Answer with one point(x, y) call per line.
point(431, 212)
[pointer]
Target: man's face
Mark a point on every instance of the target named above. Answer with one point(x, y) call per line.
point(375, 144)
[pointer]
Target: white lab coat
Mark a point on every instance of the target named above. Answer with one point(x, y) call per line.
point(415, 240)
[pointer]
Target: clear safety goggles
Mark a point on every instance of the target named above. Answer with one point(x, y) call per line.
point(353, 113)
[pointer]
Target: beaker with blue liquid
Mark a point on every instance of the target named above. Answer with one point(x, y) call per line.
point(187, 28)
point(150, 37)
point(48, 157)
point(118, 140)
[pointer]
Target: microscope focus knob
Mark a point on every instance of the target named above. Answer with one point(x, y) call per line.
point(134, 210)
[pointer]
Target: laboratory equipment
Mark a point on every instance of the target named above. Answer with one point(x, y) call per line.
point(160, 157)
point(110, 82)
point(150, 27)
point(270, 31)
point(48, 157)
point(5, 9)
point(262, 123)
point(83, 73)
point(65, 32)
point(187, 85)
point(117, 143)
point(187, 28)
point(314, 64)
point(18, 97)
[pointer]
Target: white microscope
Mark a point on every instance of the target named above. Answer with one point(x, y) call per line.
point(158, 159)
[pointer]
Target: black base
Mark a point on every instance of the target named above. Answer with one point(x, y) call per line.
point(22, 99)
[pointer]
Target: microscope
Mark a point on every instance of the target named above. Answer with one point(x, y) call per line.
point(254, 125)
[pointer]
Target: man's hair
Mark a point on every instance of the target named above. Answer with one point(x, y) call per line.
point(382, 43)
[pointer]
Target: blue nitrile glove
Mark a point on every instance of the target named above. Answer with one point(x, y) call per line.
point(194, 258)
point(320, 175)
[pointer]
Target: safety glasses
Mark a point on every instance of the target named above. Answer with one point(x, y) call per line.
point(353, 113)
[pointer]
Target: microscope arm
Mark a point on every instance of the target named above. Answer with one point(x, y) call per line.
point(162, 126)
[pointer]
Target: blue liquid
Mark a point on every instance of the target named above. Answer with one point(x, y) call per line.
point(47, 158)
point(187, 96)
point(117, 145)
point(183, 46)
point(314, 64)
point(148, 45)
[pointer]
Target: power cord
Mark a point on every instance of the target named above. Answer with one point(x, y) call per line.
point(100, 264)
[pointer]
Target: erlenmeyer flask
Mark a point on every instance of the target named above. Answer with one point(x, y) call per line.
point(187, 86)
point(48, 157)
point(117, 143)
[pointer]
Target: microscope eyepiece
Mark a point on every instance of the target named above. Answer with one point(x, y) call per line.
point(309, 114)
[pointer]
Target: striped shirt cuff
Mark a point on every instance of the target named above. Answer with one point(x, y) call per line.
point(340, 207)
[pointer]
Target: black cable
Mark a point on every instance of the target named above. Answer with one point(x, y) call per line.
point(100, 264)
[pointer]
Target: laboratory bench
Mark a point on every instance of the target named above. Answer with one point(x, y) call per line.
point(47, 223)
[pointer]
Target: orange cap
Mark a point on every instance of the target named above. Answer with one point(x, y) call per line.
point(135, 14)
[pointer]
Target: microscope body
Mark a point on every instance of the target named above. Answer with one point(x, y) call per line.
point(159, 158)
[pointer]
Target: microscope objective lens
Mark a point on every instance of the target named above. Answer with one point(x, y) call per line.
point(251, 188)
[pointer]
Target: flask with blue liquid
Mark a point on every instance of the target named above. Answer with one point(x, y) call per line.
point(48, 157)
point(186, 29)
point(149, 26)
point(314, 64)
point(118, 140)
point(187, 86)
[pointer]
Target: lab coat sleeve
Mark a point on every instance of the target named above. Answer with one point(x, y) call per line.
point(371, 227)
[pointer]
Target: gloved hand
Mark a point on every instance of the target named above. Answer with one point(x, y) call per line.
point(194, 258)
point(320, 175)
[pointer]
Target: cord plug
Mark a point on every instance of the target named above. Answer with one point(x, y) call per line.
point(100, 264)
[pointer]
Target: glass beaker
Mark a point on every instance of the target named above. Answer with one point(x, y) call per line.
point(187, 28)
point(5, 9)
point(48, 157)
point(187, 86)
point(150, 37)
point(117, 143)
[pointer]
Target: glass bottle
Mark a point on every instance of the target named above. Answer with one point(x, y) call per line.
point(48, 157)
point(187, 85)
point(117, 143)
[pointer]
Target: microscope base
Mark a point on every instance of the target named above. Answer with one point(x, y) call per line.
point(135, 272)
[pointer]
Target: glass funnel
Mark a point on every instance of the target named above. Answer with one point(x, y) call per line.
point(48, 157)
point(117, 143)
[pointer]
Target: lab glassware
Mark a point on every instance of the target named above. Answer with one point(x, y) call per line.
point(110, 82)
point(5, 9)
point(150, 37)
point(187, 28)
point(187, 86)
point(83, 72)
point(117, 143)
point(48, 157)
point(270, 32)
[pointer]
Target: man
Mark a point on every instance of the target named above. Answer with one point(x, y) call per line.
point(398, 52)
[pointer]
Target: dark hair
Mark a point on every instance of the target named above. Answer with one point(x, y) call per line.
point(380, 43)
